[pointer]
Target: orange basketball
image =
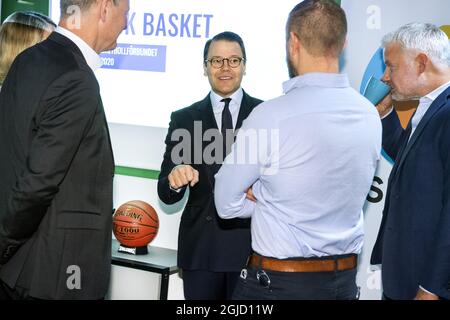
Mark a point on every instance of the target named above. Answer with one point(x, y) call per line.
point(135, 224)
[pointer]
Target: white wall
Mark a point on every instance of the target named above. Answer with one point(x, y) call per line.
point(143, 147)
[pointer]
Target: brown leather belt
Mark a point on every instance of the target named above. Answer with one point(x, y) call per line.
point(303, 265)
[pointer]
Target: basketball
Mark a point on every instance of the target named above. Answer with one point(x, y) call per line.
point(135, 224)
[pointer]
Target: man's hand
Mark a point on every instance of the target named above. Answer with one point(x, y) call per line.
point(250, 195)
point(183, 175)
point(423, 295)
point(385, 106)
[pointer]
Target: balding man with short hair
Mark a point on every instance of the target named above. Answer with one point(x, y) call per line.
point(57, 165)
point(318, 147)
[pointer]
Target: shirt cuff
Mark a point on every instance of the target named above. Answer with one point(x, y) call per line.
point(176, 190)
point(426, 290)
point(170, 187)
point(387, 114)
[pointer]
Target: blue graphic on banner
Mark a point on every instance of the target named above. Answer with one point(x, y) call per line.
point(136, 57)
point(375, 68)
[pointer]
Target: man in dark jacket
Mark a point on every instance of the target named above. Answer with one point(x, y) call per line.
point(211, 251)
point(56, 162)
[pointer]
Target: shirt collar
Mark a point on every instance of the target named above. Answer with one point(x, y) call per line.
point(217, 104)
point(92, 58)
point(429, 98)
point(329, 80)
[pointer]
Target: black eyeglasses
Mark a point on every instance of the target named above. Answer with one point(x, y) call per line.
point(218, 62)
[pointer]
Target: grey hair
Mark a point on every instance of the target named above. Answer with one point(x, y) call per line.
point(82, 4)
point(424, 37)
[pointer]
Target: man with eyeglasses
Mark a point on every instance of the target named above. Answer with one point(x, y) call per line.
point(211, 251)
point(307, 221)
point(56, 163)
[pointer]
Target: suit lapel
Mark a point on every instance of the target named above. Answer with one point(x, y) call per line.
point(207, 114)
point(435, 107)
point(406, 133)
point(109, 138)
point(244, 110)
point(209, 121)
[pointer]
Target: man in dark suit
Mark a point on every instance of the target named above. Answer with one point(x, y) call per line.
point(57, 165)
point(413, 244)
point(211, 251)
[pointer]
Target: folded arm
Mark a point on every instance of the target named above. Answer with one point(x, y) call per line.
point(244, 167)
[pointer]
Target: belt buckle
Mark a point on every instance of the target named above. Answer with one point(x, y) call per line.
point(263, 278)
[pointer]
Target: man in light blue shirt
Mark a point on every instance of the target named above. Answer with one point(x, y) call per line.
point(317, 148)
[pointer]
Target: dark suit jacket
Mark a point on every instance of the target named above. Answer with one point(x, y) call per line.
point(413, 244)
point(205, 241)
point(56, 170)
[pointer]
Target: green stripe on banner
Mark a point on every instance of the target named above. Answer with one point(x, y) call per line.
point(137, 172)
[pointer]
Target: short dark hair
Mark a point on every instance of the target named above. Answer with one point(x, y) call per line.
point(321, 26)
point(227, 36)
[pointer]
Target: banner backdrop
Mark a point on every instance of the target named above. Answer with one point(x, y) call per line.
point(157, 68)
point(158, 65)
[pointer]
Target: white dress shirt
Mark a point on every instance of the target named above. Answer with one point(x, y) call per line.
point(218, 105)
point(424, 104)
point(92, 58)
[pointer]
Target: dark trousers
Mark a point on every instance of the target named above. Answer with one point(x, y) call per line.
point(385, 297)
point(335, 285)
point(208, 285)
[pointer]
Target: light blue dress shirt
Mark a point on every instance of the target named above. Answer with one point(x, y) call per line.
point(311, 166)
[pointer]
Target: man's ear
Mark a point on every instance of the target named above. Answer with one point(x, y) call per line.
point(205, 69)
point(345, 44)
point(293, 44)
point(104, 7)
point(422, 60)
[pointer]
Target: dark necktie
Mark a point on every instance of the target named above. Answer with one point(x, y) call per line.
point(227, 124)
point(404, 144)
